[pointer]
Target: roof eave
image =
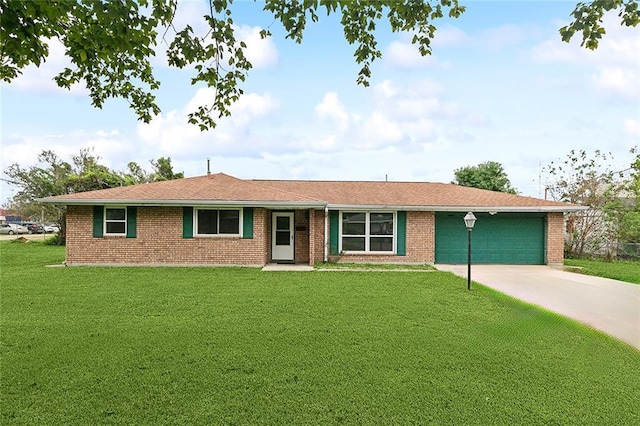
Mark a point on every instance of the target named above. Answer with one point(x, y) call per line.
point(311, 204)
point(479, 209)
point(182, 203)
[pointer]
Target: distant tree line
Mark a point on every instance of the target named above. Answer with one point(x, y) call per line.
point(54, 176)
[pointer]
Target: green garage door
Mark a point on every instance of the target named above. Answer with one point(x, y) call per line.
point(504, 238)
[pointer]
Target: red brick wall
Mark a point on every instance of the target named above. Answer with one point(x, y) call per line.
point(266, 244)
point(420, 242)
point(555, 238)
point(318, 236)
point(311, 241)
point(301, 222)
point(159, 241)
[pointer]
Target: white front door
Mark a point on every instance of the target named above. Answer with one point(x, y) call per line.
point(282, 236)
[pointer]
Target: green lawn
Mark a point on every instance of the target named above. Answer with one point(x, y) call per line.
point(623, 270)
point(150, 346)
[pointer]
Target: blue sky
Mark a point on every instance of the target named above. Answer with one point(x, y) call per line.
point(500, 86)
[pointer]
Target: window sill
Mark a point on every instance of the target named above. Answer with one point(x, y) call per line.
point(368, 253)
point(217, 236)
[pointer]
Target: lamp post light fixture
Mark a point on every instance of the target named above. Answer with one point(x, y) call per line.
point(469, 221)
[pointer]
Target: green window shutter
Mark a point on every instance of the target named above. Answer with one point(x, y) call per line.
point(334, 225)
point(187, 222)
point(401, 249)
point(98, 219)
point(247, 222)
point(132, 216)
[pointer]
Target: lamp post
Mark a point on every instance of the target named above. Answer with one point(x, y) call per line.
point(469, 221)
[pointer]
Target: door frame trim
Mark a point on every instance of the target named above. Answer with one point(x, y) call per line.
point(293, 234)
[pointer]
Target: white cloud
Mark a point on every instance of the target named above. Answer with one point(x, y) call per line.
point(385, 89)
point(234, 135)
point(404, 54)
point(614, 65)
point(504, 35)
point(407, 118)
point(262, 53)
point(618, 82)
point(40, 79)
point(378, 131)
point(424, 88)
point(110, 146)
point(449, 36)
point(331, 107)
point(632, 127)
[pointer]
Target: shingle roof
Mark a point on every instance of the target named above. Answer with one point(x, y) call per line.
point(404, 194)
point(224, 189)
point(215, 187)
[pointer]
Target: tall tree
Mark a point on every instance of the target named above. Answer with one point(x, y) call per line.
point(588, 179)
point(624, 210)
point(110, 42)
point(56, 177)
point(488, 175)
point(163, 170)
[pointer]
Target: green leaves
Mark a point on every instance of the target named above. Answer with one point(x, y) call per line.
point(360, 19)
point(488, 175)
point(588, 20)
point(53, 176)
point(218, 60)
point(110, 43)
point(589, 179)
point(24, 28)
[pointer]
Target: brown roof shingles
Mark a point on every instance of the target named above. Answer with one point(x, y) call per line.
point(406, 194)
point(217, 188)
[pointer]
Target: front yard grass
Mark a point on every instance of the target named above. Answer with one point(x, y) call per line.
point(623, 270)
point(90, 345)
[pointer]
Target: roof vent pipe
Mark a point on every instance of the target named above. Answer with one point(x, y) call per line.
point(208, 166)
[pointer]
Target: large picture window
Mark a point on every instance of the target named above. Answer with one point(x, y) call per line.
point(217, 222)
point(367, 232)
point(115, 221)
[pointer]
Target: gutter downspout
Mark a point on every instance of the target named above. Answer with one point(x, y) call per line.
point(326, 233)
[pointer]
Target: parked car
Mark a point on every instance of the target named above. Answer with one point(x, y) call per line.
point(12, 229)
point(33, 227)
point(51, 227)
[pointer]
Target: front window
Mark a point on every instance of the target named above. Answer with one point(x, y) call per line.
point(115, 221)
point(217, 222)
point(367, 231)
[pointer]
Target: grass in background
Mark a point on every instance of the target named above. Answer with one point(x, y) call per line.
point(623, 270)
point(89, 345)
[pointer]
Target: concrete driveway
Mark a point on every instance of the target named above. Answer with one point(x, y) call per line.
point(607, 305)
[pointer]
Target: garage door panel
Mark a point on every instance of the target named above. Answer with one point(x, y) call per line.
point(504, 238)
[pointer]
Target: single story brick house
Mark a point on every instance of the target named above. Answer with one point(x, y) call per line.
point(218, 219)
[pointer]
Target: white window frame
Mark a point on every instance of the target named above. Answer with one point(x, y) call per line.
point(218, 235)
point(104, 221)
point(367, 235)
